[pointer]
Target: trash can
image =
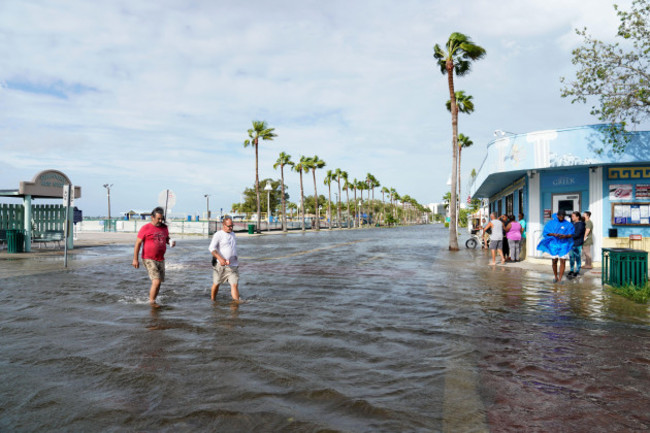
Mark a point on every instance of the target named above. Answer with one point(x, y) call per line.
point(15, 241)
point(622, 266)
point(251, 229)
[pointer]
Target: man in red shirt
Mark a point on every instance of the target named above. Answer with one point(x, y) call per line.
point(153, 237)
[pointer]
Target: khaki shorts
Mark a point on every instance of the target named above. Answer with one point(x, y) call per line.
point(155, 268)
point(222, 274)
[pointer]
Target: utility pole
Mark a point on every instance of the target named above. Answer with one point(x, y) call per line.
point(108, 194)
point(207, 199)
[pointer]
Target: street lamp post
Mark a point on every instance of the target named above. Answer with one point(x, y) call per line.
point(359, 213)
point(338, 222)
point(207, 200)
point(268, 189)
point(108, 195)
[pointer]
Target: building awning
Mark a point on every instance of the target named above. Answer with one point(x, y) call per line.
point(495, 182)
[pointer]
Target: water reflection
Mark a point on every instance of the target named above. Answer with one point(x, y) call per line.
point(361, 330)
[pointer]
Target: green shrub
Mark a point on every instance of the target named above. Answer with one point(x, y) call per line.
point(640, 295)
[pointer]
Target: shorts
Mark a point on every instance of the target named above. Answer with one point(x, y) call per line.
point(155, 268)
point(496, 245)
point(222, 274)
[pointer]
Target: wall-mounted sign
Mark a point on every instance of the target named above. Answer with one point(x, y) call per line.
point(620, 192)
point(642, 191)
point(547, 214)
point(636, 214)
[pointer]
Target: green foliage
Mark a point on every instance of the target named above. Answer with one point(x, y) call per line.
point(618, 77)
point(640, 295)
point(390, 220)
point(462, 217)
point(250, 198)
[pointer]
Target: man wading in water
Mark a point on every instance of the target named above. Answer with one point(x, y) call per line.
point(224, 259)
point(153, 238)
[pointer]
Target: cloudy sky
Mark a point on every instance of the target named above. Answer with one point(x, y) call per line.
point(150, 95)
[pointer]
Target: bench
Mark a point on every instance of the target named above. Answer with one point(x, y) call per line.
point(48, 236)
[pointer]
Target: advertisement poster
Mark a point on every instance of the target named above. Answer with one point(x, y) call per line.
point(621, 214)
point(620, 192)
point(642, 191)
point(635, 214)
point(645, 214)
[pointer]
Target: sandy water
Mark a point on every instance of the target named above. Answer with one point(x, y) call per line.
point(352, 331)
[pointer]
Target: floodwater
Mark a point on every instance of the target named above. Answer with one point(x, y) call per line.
point(379, 330)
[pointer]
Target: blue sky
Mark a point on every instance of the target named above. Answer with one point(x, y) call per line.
point(150, 95)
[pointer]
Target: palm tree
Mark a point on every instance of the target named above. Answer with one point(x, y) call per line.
point(384, 190)
point(464, 104)
point(314, 164)
point(372, 184)
point(346, 186)
point(460, 52)
point(338, 172)
point(355, 184)
point(259, 130)
point(463, 142)
point(301, 167)
point(329, 177)
point(283, 160)
point(361, 186)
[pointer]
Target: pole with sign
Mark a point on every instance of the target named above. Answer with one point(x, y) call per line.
point(67, 201)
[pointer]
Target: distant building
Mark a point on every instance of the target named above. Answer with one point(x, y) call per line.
point(539, 173)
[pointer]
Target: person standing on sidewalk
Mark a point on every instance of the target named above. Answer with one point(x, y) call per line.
point(575, 256)
point(589, 239)
point(496, 238)
point(513, 234)
point(522, 222)
point(223, 248)
point(153, 238)
point(557, 242)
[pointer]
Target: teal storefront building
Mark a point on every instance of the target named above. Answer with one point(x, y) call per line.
point(540, 172)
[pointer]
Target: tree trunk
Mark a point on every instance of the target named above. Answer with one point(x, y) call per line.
point(347, 195)
point(339, 203)
point(313, 171)
point(302, 204)
point(257, 189)
point(329, 205)
point(356, 211)
point(453, 234)
point(284, 204)
point(460, 180)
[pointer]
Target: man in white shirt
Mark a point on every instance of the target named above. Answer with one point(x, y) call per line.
point(223, 248)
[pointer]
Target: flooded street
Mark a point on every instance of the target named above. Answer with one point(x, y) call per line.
point(347, 331)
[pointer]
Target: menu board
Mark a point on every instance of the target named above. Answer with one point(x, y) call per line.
point(635, 214)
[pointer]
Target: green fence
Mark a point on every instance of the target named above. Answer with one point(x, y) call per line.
point(47, 218)
point(623, 266)
point(12, 216)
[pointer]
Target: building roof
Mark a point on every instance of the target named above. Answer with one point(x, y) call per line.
point(511, 156)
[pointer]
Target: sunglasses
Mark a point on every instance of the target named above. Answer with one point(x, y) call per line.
point(229, 227)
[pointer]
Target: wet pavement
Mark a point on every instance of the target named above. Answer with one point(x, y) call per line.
point(378, 330)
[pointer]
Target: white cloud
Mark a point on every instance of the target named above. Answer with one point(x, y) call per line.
point(169, 88)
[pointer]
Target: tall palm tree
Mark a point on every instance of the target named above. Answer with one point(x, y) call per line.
point(346, 186)
point(314, 164)
point(259, 130)
point(301, 167)
point(338, 172)
point(456, 57)
point(283, 160)
point(329, 177)
point(372, 184)
point(384, 190)
point(355, 184)
point(463, 143)
point(464, 104)
point(361, 186)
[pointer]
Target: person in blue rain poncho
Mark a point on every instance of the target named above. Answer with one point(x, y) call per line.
point(557, 242)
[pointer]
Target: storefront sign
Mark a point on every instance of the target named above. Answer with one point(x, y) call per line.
point(620, 192)
point(642, 191)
